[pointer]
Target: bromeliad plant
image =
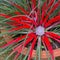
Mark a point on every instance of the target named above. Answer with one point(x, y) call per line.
point(32, 25)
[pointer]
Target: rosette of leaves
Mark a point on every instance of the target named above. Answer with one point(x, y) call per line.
point(32, 23)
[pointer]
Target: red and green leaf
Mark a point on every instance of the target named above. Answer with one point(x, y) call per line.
point(52, 21)
point(48, 45)
point(54, 36)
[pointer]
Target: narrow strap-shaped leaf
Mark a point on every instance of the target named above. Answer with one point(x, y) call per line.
point(54, 36)
point(51, 10)
point(19, 7)
point(25, 18)
point(13, 41)
point(29, 5)
point(52, 21)
point(50, 3)
point(38, 11)
point(26, 54)
point(13, 23)
point(28, 40)
point(18, 48)
point(46, 50)
point(25, 44)
point(15, 58)
point(5, 50)
point(55, 39)
point(45, 7)
point(19, 18)
point(39, 48)
point(31, 36)
point(54, 25)
point(20, 28)
point(48, 45)
point(38, 15)
point(16, 12)
point(9, 55)
point(4, 15)
point(32, 47)
point(33, 3)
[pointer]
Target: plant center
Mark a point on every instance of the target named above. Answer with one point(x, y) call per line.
point(39, 30)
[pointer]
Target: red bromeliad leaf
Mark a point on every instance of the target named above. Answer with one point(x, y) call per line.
point(38, 14)
point(25, 18)
point(14, 41)
point(54, 36)
point(48, 45)
point(50, 3)
point(51, 10)
point(13, 23)
point(31, 36)
point(28, 40)
point(33, 3)
point(19, 48)
point(20, 28)
point(52, 21)
point(32, 47)
point(22, 20)
point(18, 19)
point(17, 55)
point(54, 25)
point(16, 12)
point(46, 7)
point(4, 15)
point(19, 7)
